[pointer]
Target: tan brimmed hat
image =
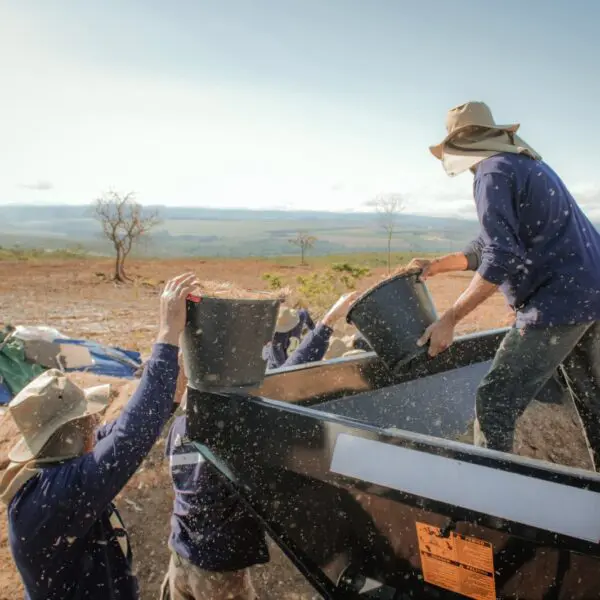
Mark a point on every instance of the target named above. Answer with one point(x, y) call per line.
point(45, 405)
point(465, 116)
point(288, 319)
point(473, 136)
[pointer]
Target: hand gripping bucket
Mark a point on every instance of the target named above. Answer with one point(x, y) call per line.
point(223, 341)
point(393, 315)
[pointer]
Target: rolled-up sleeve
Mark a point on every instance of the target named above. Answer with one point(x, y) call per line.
point(473, 252)
point(502, 254)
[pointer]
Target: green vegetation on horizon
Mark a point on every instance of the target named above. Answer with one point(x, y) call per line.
point(233, 233)
point(363, 259)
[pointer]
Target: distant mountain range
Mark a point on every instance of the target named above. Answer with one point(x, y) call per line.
point(233, 232)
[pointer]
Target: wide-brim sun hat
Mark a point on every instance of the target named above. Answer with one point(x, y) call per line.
point(288, 319)
point(47, 404)
point(465, 117)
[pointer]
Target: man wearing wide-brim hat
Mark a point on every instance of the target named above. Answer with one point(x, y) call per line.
point(289, 328)
point(536, 246)
point(65, 535)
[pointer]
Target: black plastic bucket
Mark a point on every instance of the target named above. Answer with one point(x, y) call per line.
point(392, 316)
point(223, 341)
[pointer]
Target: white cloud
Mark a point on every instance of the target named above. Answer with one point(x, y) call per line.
point(40, 186)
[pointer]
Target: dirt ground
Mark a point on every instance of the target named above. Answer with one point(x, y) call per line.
point(79, 299)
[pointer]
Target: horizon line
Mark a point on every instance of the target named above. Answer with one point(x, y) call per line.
point(243, 208)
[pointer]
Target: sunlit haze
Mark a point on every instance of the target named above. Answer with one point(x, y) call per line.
point(281, 104)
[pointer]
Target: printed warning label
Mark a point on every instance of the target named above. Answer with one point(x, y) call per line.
point(463, 565)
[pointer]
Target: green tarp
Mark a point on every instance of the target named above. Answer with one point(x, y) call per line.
point(15, 371)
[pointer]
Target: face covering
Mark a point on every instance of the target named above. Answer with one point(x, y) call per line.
point(467, 149)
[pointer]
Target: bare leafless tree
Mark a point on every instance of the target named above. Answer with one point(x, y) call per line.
point(305, 242)
point(388, 207)
point(124, 222)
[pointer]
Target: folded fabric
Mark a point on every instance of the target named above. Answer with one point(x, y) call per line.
point(105, 360)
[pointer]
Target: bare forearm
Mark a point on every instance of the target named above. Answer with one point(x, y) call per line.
point(449, 263)
point(479, 291)
point(182, 381)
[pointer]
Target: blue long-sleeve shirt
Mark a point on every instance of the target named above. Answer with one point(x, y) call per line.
point(59, 522)
point(535, 243)
point(210, 526)
point(284, 343)
point(312, 348)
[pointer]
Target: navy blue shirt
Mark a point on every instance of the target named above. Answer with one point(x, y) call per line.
point(210, 525)
point(60, 533)
point(284, 343)
point(535, 243)
point(312, 348)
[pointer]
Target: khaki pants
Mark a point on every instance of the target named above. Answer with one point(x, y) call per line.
point(185, 581)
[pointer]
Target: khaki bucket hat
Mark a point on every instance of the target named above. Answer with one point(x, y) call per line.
point(465, 116)
point(288, 319)
point(45, 405)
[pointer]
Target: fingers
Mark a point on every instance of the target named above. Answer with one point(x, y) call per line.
point(418, 263)
point(349, 298)
point(186, 285)
point(434, 350)
point(173, 283)
point(425, 337)
point(189, 292)
point(436, 347)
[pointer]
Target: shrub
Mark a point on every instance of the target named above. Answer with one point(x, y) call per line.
point(321, 289)
point(274, 281)
point(349, 274)
point(17, 252)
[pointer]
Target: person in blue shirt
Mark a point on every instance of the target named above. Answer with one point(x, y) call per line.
point(540, 250)
point(65, 534)
point(315, 343)
point(291, 324)
point(287, 340)
point(214, 538)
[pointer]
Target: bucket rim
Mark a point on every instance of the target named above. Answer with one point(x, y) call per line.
point(416, 273)
point(209, 298)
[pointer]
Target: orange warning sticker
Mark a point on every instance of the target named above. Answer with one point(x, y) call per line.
point(463, 565)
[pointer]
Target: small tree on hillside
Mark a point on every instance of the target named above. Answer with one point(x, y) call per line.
point(305, 242)
point(124, 222)
point(388, 207)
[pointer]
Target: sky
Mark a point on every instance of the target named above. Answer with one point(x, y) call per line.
point(295, 104)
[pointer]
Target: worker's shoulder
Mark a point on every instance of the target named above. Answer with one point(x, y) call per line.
point(508, 165)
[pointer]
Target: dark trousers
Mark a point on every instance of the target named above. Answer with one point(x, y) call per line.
point(524, 363)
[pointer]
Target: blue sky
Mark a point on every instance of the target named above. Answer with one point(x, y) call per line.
point(316, 104)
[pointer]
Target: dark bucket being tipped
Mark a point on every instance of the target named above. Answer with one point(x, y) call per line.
point(393, 315)
point(223, 341)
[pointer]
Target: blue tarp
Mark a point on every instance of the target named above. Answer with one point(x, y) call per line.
point(115, 362)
